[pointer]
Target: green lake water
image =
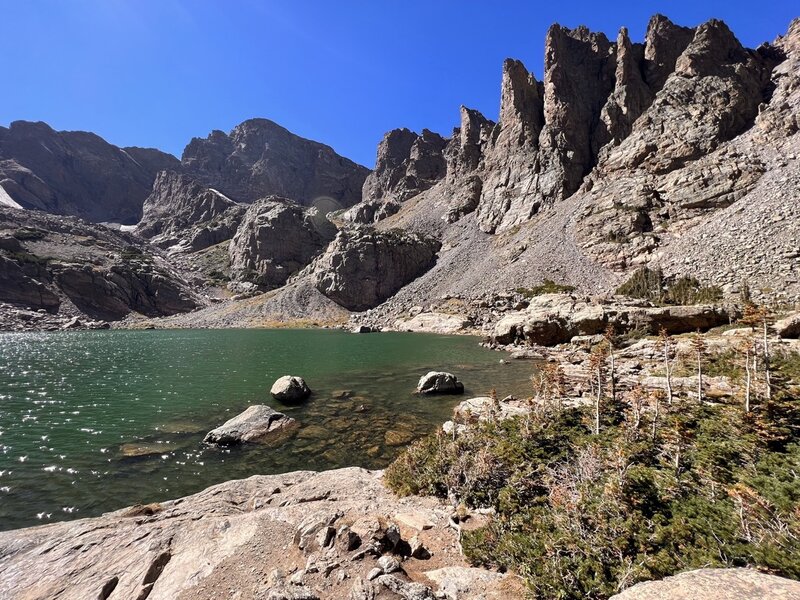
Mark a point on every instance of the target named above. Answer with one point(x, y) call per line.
point(73, 404)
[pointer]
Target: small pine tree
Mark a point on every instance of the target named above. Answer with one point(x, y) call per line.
point(495, 409)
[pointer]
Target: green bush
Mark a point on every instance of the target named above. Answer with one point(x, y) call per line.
point(547, 286)
point(650, 284)
point(29, 234)
point(644, 283)
point(583, 516)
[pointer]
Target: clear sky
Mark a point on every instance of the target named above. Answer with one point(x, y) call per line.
point(159, 72)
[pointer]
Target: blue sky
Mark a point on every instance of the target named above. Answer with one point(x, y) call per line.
point(159, 72)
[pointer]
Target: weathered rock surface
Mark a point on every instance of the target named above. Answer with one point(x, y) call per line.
point(266, 537)
point(363, 266)
point(76, 173)
point(679, 152)
point(24, 283)
point(290, 389)
point(789, 327)
point(133, 285)
point(485, 408)
point(276, 239)
point(260, 158)
point(258, 424)
point(370, 211)
point(715, 584)
point(433, 322)
point(181, 213)
point(556, 318)
point(439, 382)
point(407, 164)
point(68, 267)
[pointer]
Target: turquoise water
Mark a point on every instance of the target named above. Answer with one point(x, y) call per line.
point(98, 420)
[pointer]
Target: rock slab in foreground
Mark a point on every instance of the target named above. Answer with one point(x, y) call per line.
point(257, 424)
point(715, 584)
point(260, 537)
point(290, 389)
point(438, 382)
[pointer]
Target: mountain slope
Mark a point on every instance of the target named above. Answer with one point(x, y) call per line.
point(76, 173)
point(259, 158)
point(680, 153)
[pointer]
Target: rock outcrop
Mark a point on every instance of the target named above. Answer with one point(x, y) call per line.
point(277, 238)
point(260, 158)
point(789, 327)
point(714, 584)
point(550, 130)
point(259, 424)
point(439, 382)
point(290, 389)
point(76, 173)
point(181, 213)
point(407, 164)
point(552, 319)
point(295, 535)
point(66, 266)
point(363, 266)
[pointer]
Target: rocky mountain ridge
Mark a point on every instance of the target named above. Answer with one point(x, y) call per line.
point(79, 174)
point(58, 272)
point(259, 158)
point(75, 173)
point(625, 155)
point(678, 153)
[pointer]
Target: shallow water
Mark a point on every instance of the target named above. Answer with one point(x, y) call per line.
point(72, 405)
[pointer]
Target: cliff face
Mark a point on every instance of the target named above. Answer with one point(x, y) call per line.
point(76, 173)
point(181, 213)
point(693, 89)
point(626, 154)
point(64, 267)
point(80, 174)
point(260, 158)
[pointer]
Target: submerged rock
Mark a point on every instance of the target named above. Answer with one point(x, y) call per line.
point(290, 389)
point(257, 424)
point(140, 449)
point(438, 382)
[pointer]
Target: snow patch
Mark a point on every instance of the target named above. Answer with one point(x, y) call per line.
point(130, 157)
point(220, 194)
point(7, 200)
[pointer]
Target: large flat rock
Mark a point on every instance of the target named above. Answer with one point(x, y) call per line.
point(241, 539)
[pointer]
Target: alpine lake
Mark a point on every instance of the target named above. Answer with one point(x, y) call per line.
point(93, 421)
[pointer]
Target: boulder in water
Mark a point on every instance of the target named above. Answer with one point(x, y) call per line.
point(290, 389)
point(258, 424)
point(438, 382)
